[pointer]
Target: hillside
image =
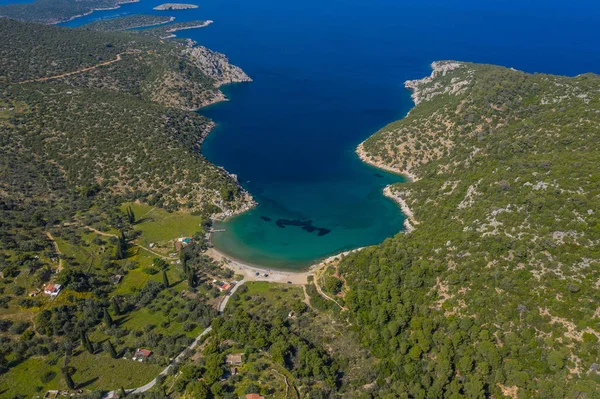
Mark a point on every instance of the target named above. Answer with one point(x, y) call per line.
point(55, 11)
point(100, 171)
point(496, 290)
point(93, 106)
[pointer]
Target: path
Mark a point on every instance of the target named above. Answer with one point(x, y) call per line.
point(182, 355)
point(324, 295)
point(133, 242)
point(60, 261)
point(80, 70)
point(253, 273)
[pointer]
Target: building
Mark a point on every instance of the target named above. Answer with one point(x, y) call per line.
point(254, 396)
point(141, 354)
point(224, 287)
point(52, 289)
point(181, 242)
point(234, 359)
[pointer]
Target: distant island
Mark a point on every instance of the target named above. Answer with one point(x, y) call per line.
point(56, 11)
point(174, 6)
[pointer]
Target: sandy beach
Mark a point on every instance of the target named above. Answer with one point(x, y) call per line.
point(274, 276)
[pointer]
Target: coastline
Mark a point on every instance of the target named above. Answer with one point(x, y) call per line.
point(274, 275)
point(362, 154)
point(410, 222)
point(118, 5)
point(173, 30)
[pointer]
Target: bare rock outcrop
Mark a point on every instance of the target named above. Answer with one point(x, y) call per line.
point(216, 66)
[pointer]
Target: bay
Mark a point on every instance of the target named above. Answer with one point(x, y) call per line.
point(327, 74)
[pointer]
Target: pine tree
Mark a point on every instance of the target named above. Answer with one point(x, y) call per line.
point(122, 394)
point(85, 341)
point(107, 319)
point(68, 380)
point(130, 215)
point(121, 252)
point(186, 268)
point(115, 305)
point(165, 279)
point(191, 277)
point(111, 349)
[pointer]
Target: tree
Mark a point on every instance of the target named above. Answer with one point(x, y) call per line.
point(85, 341)
point(115, 305)
point(165, 279)
point(130, 215)
point(191, 277)
point(68, 380)
point(121, 252)
point(111, 349)
point(122, 393)
point(107, 319)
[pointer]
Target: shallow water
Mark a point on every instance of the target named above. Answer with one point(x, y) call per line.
point(329, 74)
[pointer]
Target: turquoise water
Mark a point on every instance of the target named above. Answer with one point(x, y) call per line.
point(329, 74)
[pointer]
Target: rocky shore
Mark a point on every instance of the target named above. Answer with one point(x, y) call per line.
point(217, 66)
point(427, 88)
point(174, 6)
point(410, 222)
point(364, 156)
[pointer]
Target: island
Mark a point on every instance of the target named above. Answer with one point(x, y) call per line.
point(56, 11)
point(174, 6)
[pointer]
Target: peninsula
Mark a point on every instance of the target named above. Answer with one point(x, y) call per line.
point(56, 11)
point(128, 22)
point(174, 6)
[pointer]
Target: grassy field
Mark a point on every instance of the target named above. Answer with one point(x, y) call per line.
point(158, 225)
point(103, 372)
point(25, 379)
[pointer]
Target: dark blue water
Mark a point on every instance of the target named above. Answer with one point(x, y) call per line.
point(330, 73)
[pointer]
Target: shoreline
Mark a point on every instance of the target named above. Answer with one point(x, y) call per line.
point(410, 222)
point(173, 30)
point(119, 3)
point(362, 154)
point(274, 275)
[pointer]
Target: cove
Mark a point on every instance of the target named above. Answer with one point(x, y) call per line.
point(329, 74)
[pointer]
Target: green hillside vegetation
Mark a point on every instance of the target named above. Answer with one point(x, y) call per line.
point(288, 350)
point(168, 30)
point(55, 11)
point(127, 22)
point(93, 150)
point(496, 291)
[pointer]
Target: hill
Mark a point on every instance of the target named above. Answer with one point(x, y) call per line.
point(55, 11)
point(496, 290)
point(100, 171)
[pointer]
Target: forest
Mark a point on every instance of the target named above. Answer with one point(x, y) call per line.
point(495, 292)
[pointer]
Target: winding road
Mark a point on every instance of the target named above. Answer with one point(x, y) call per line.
point(182, 355)
point(82, 70)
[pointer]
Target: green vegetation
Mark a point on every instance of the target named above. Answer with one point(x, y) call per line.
point(55, 11)
point(496, 289)
point(127, 22)
point(167, 31)
point(284, 349)
point(84, 158)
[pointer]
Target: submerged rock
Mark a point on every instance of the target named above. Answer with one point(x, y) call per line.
point(306, 225)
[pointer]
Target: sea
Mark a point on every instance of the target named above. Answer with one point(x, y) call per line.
point(327, 75)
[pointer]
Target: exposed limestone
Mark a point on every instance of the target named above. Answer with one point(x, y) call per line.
point(410, 222)
point(216, 66)
point(427, 88)
point(174, 6)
